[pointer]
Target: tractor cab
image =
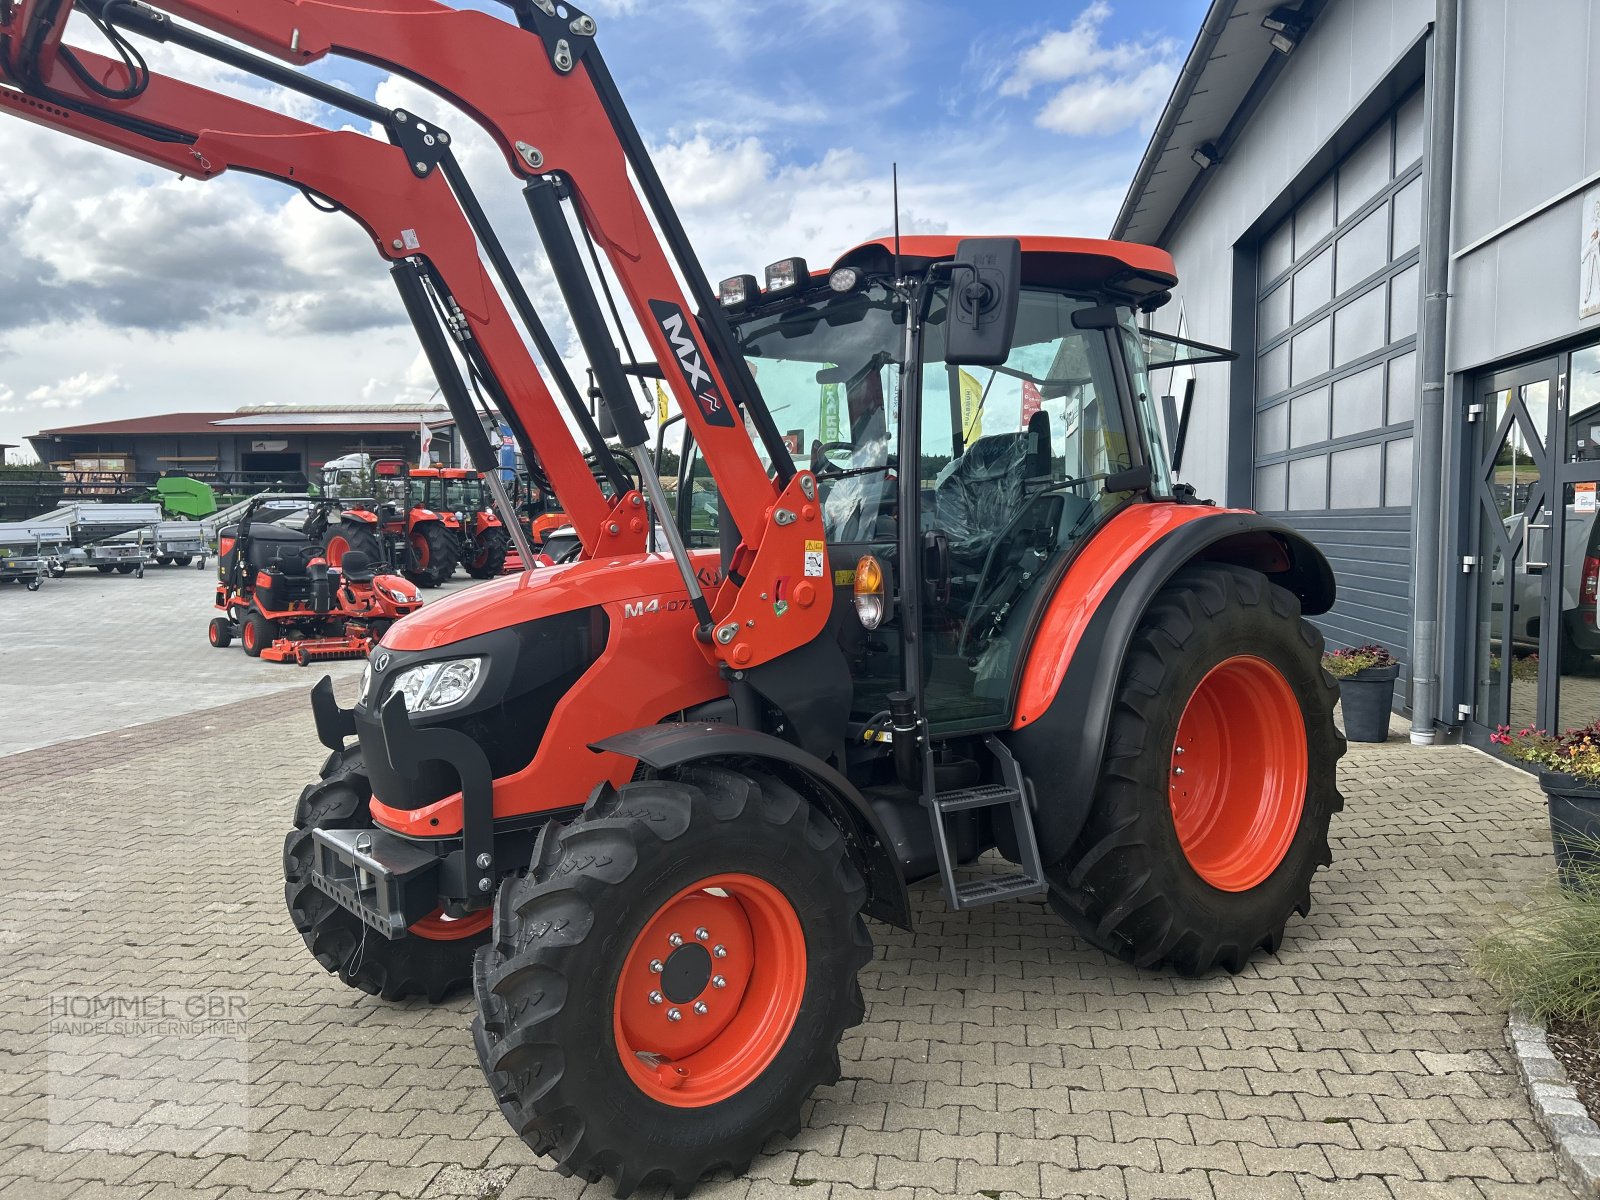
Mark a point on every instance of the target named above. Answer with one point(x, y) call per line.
point(954, 491)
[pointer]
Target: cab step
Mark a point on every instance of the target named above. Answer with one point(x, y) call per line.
point(1014, 795)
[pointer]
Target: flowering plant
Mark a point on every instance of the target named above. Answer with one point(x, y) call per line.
point(1342, 664)
point(1575, 752)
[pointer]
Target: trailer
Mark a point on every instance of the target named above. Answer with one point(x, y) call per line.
point(96, 535)
point(177, 543)
point(30, 553)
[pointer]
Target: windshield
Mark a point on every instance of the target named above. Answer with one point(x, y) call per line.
point(830, 375)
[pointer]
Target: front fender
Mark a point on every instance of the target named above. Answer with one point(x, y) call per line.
point(1069, 682)
point(663, 747)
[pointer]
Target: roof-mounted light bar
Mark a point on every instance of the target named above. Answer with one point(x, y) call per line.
point(787, 276)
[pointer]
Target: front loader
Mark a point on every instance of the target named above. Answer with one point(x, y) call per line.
point(959, 623)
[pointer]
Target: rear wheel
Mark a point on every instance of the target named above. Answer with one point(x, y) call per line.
point(490, 559)
point(183, 560)
point(1212, 810)
point(127, 568)
point(671, 981)
point(434, 959)
point(220, 632)
point(350, 536)
point(432, 555)
point(104, 568)
point(256, 634)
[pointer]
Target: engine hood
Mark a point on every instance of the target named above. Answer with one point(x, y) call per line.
point(514, 599)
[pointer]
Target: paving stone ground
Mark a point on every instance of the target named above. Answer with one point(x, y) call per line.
point(1001, 1056)
point(91, 653)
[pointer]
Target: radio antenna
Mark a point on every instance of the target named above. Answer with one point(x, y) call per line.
point(896, 170)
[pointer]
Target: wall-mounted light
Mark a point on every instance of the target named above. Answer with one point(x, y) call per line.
point(1206, 155)
point(1287, 27)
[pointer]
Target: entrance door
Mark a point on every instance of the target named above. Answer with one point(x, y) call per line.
point(1517, 556)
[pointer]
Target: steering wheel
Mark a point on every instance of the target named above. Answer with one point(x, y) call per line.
point(821, 464)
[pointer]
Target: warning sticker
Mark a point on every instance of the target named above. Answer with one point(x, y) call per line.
point(410, 239)
point(1583, 497)
point(815, 553)
point(844, 578)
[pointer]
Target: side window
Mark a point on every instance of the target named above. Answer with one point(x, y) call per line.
point(699, 503)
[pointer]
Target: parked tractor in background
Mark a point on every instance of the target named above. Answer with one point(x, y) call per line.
point(421, 542)
point(482, 541)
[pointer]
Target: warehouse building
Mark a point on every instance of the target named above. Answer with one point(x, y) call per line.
point(256, 444)
point(1391, 210)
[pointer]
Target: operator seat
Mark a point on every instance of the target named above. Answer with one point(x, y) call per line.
point(358, 567)
point(977, 495)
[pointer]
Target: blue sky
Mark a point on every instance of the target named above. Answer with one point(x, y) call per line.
point(126, 292)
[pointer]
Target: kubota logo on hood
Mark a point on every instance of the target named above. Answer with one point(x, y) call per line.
point(691, 362)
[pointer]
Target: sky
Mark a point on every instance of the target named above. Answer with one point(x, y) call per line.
point(125, 291)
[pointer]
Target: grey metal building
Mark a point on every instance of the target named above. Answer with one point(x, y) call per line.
point(1391, 210)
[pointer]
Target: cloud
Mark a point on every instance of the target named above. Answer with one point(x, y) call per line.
point(1098, 88)
point(74, 390)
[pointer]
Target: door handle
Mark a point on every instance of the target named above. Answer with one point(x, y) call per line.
point(1530, 566)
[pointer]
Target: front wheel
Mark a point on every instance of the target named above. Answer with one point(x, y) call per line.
point(256, 633)
point(670, 982)
point(432, 556)
point(220, 632)
point(433, 959)
point(490, 558)
point(1212, 809)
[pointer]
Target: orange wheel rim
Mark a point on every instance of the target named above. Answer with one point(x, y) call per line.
point(1238, 778)
point(250, 634)
point(336, 549)
point(438, 926)
point(710, 990)
point(420, 548)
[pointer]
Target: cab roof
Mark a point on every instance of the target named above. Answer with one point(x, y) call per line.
point(1052, 261)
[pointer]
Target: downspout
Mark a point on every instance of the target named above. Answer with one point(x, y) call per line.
point(1427, 495)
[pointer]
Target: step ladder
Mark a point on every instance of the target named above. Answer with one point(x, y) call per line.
point(1015, 795)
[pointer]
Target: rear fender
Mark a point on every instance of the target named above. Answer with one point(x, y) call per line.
point(668, 746)
point(1070, 680)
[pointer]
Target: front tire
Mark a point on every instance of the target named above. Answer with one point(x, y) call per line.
point(432, 555)
point(256, 634)
point(490, 559)
point(1212, 810)
point(220, 632)
point(433, 960)
point(607, 938)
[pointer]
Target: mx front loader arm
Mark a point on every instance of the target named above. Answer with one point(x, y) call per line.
point(412, 218)
point(543, 92)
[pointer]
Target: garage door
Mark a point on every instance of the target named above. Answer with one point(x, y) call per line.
point(1336, 375)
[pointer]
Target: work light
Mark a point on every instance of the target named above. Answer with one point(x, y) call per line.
point(786, 275)
point(869, 592)
point(737, 292)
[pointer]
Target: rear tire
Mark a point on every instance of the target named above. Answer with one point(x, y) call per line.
point(435, 967)
point(220, 632)
point(256, 634)
point(350, 536)
point(491, 557)
point(577, 1048)
point(183, 560)
point(1225, 652)
point(431, 555)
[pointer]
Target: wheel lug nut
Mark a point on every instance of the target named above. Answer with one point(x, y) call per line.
point(655, 997)
point(720, 951)
point(674, 1015)
point(718, 982)
point(702, 933)
point(676, 939)
point(655, 966)
point(700, 1007)
point(1177, 770)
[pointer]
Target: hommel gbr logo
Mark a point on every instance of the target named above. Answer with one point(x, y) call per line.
point(713, 406)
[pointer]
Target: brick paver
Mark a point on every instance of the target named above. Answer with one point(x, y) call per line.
point(1000, 1056)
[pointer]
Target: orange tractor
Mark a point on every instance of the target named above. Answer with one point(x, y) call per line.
point(482, 542)
point(928, 604)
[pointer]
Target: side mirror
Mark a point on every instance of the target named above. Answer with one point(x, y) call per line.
point(985, 292)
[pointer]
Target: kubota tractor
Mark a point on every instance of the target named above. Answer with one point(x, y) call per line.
point(482, 542)
point(426, 540)
point(643, 802)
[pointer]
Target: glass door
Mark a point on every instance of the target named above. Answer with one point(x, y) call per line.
point(1573, 697)
point(1513, 544)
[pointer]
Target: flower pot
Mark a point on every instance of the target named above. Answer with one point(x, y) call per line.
point(1367, 696)
point(1574, 827)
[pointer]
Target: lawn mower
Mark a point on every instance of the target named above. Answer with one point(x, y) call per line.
point(284, 602)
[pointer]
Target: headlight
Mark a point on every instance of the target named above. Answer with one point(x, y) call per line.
point(398, 595)
point(432, 686)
